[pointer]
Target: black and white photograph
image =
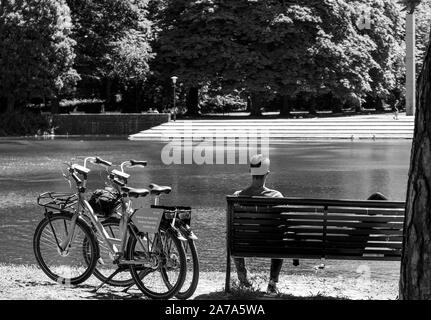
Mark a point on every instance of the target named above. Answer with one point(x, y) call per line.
point(215, 156)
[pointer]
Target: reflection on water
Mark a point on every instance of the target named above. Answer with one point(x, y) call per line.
point(349, 170)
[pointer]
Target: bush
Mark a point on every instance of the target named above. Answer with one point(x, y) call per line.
point(21, 123)
point(81, 105)
point(222, 104)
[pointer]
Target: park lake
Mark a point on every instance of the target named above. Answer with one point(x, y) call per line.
point(310, 169)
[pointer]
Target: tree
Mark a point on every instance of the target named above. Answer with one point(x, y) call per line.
point(266, 48)
point(36, 51)
point(423, 28)
point(415, 280)
point(387, 28)
point(113, 43)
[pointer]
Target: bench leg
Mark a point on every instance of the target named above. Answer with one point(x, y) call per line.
point(227, 283)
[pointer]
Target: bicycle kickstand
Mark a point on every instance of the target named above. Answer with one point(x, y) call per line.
point(109, 278)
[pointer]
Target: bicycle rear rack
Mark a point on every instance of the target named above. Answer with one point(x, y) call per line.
point(57, 201)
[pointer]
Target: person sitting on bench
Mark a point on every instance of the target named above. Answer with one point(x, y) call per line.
point(377, 196)
point(259, 170)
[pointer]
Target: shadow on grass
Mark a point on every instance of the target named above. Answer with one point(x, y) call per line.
point(244, 294)
point(86, 291)
point(239, 292)
point(115, 295)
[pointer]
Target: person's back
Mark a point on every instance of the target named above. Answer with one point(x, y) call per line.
point(263, 192)
point(259, 170)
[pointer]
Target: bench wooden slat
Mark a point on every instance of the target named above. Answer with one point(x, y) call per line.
point(239, 227)
point(316, 223)
point(328, 244)
point(368, 211)
point(340, 238)
point(254, 215)
point(275, 222)
point(392, 232)
point(361, 238)
point(258, 211)
point(245, 217)
point(387, 257)
point(368, 219)
point(388, 225)
point(317, 250)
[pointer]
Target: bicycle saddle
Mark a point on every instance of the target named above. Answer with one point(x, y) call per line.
point(157, 190)
point(134, 192)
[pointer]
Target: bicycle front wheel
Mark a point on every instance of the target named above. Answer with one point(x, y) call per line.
point(69, 266)
point(164, 251)
point(192, 275)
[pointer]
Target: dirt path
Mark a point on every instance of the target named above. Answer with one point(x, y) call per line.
point(29, 282)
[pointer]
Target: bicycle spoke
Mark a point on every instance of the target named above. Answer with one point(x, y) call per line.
point(70, 265)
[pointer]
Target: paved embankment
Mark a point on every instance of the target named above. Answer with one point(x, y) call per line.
point(279, 130)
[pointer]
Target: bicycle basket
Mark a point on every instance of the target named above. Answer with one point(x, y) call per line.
point(104, 201)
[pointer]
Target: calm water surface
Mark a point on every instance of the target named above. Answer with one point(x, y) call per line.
point(349, 170)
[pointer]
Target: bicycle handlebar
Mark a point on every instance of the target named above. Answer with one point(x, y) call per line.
point(133, 163)
point(83, 170)
point(98, 160)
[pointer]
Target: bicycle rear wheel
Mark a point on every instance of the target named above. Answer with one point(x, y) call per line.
point(166, 278)
point(192, 274)
point(69, 266)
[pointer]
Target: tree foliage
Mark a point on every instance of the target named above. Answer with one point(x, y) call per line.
point(281, 47)
point(36, 50)
point(112, 38)
point(423, 29)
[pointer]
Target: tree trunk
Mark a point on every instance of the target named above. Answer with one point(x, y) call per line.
point(248, 108)
point(255, 107)
point(10, 104)
point(55, 105)
point(285, 106)
point(415, 280)
point(108, 92)
point(192, 102)
point(379, 104)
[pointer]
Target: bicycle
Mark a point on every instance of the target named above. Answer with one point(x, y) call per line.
point(141, 254)
point(178, 218)
point(181, 218)
point(150, 281)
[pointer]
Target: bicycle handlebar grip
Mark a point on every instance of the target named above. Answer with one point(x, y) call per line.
point(138, 163)
point(104, 162)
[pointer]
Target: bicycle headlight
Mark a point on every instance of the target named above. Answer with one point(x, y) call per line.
point(184, 214)
point(169, 214)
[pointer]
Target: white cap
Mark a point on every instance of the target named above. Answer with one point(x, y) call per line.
point(259, 165)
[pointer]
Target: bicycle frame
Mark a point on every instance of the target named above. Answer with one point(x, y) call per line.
point(82, 206)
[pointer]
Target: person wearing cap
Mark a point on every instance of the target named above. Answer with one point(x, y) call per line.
point(259, 170)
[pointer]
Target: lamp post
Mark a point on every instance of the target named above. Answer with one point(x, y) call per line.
point(174, 81)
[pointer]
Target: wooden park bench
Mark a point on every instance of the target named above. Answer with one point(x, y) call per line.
point(313, 229)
